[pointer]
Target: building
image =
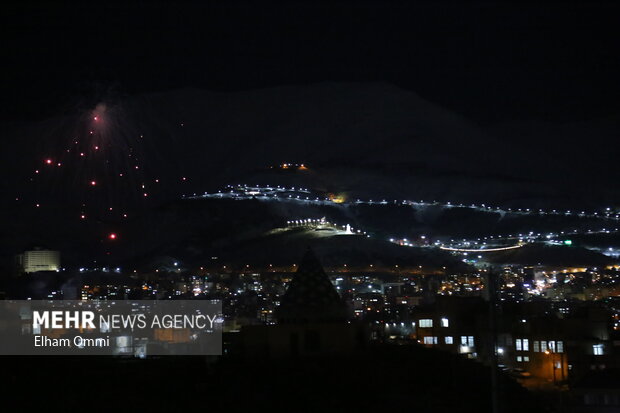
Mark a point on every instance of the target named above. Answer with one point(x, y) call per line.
point(597, 392)
point(312, 320)
point(555, 347)
point(456, 324)
point(38, 260)
point(562, 348)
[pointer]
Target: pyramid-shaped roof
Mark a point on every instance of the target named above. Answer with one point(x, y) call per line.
point(311, 297)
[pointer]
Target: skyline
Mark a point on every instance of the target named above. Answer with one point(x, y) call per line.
point(377, 206)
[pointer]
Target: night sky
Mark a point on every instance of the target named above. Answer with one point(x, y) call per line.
point(124, 126)
point(491, 62)
point(220, 91)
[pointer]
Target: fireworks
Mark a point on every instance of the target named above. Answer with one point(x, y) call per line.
point(92, 166)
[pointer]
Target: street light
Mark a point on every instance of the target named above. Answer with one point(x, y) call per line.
point(553, 366)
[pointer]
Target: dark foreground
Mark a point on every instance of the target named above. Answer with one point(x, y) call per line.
point(380, 379)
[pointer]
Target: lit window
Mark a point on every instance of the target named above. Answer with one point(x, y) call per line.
point(552, 346)
point(518, 345)
point(519, 359)
point(430, 340)
point(597, 349)
point(536, 346)
point(526, 344)
point(526, 358)
point(449, 340)
point(426, 322)
point(559, 347)
point(543, 346)
point(445, 322)
point(467, 341)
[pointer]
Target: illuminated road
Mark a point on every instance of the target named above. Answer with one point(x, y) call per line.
point(512, 247)
point(306, 195)
point(478, 245)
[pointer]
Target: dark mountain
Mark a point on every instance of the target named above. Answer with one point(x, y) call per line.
point(361, 139)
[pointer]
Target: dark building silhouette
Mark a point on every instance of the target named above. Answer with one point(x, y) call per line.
point(312, 319)
point(311, 297)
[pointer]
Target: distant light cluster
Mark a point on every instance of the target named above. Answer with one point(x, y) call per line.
point(99, 172)
point(481, 244)
point(243, 190)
